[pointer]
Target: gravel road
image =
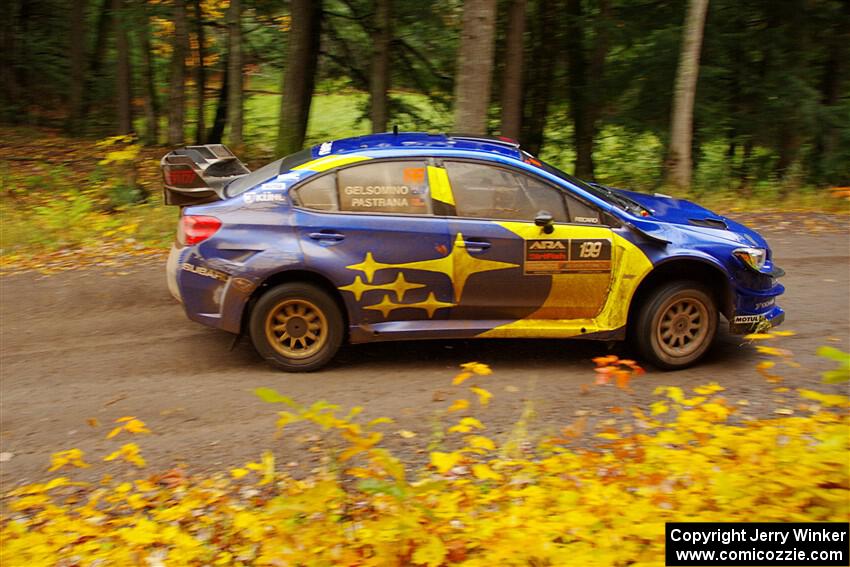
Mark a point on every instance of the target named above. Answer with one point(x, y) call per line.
point(85, 345)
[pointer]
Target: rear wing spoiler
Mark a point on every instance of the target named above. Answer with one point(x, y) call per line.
point(195, 175)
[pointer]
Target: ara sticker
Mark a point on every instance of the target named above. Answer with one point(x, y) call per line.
point(325, 148)
point(264, 197)
point(204, 271)
point(273, 186)
point(557, 256)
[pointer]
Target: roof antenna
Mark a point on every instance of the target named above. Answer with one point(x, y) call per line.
point(395, 129)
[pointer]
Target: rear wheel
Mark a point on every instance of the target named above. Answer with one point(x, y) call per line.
point(676, 325)
point(297, 327)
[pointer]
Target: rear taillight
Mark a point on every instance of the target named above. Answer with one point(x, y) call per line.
point(196, 228)
point(181, 177)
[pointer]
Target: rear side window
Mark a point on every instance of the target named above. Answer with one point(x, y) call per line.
point(376, 187)
point(319, 193)
point(385, 187)
point(483, 191)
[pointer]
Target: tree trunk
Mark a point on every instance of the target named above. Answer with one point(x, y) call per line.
point(220, 120)
point(585, 78)
point(176, 95)
point(679, 166)
point(123, 75)
point(98, 54)
point(234, 61)
point(200, 75)
point(540, 78)
point(300, 75)
point(379, 83)
point(474, 66)
point(77, 49)
point(149, 97)
point(512, 80)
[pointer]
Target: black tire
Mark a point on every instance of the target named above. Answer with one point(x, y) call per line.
point(297, 327)
point(676, 325)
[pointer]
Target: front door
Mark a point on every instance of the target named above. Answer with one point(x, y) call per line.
point(518, 271)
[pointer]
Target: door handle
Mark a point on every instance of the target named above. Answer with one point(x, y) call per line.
point(476, 245)
point(327, 236)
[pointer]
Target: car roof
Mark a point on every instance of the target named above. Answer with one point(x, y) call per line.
point(418, 141)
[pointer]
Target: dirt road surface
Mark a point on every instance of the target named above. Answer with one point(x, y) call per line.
point(86, 345)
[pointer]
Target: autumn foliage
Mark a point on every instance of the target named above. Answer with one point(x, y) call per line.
point(478, 501)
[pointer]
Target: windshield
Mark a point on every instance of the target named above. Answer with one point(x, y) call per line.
point(273, 169)
point(605, 193)
point(551, 169)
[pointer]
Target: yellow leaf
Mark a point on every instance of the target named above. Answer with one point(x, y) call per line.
point(483, 472)
point(477, 367)
point(405, 434)
point(72, 457)
point(784, 333)
point(443, 462)
point(483, 395)
point(659, 407)
point(709, 389)
point(825, 399)
point(481, 442)
point(459, 405)
point(466, 425)
point(238, 472)
point(758, 336)
point(380, 420)
point(129, 452)
point(268, 467)
point(461, 378)
point(773, 351)
point(431, 553)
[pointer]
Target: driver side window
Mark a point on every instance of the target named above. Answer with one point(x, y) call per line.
point(484, 191)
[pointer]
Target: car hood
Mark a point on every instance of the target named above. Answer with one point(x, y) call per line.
point(684, 214)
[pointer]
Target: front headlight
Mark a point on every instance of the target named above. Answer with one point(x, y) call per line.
point(752, 257)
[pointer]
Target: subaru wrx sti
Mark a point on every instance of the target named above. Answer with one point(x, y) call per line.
point(404, 236)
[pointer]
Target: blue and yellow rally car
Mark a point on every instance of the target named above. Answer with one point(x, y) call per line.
point(416, 236)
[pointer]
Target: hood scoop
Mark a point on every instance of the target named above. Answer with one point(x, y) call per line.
point(709, 223)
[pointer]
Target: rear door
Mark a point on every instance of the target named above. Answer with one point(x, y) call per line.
point(518, 271)
point(369, 227)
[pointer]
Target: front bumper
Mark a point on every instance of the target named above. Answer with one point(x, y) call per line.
point(743, 324)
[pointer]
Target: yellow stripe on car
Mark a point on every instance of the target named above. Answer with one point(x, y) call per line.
point(581, 303)
point(441, 189)
point(330, 162)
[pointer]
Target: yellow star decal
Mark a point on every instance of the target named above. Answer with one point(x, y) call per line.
point(430, 305)
point(458, 265)
point(400, 286)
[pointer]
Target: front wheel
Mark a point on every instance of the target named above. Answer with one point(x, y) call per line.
point(676, 325)
point(297, 327)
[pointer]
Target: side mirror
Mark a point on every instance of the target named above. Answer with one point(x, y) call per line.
point(544, 220)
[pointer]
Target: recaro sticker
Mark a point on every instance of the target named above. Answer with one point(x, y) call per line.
point(566, 256)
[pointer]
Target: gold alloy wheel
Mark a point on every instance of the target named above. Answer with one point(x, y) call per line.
point(682, 327)
point(296, 328)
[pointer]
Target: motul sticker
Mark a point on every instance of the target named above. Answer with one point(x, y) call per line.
point(555, 256)
point(739, 319)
